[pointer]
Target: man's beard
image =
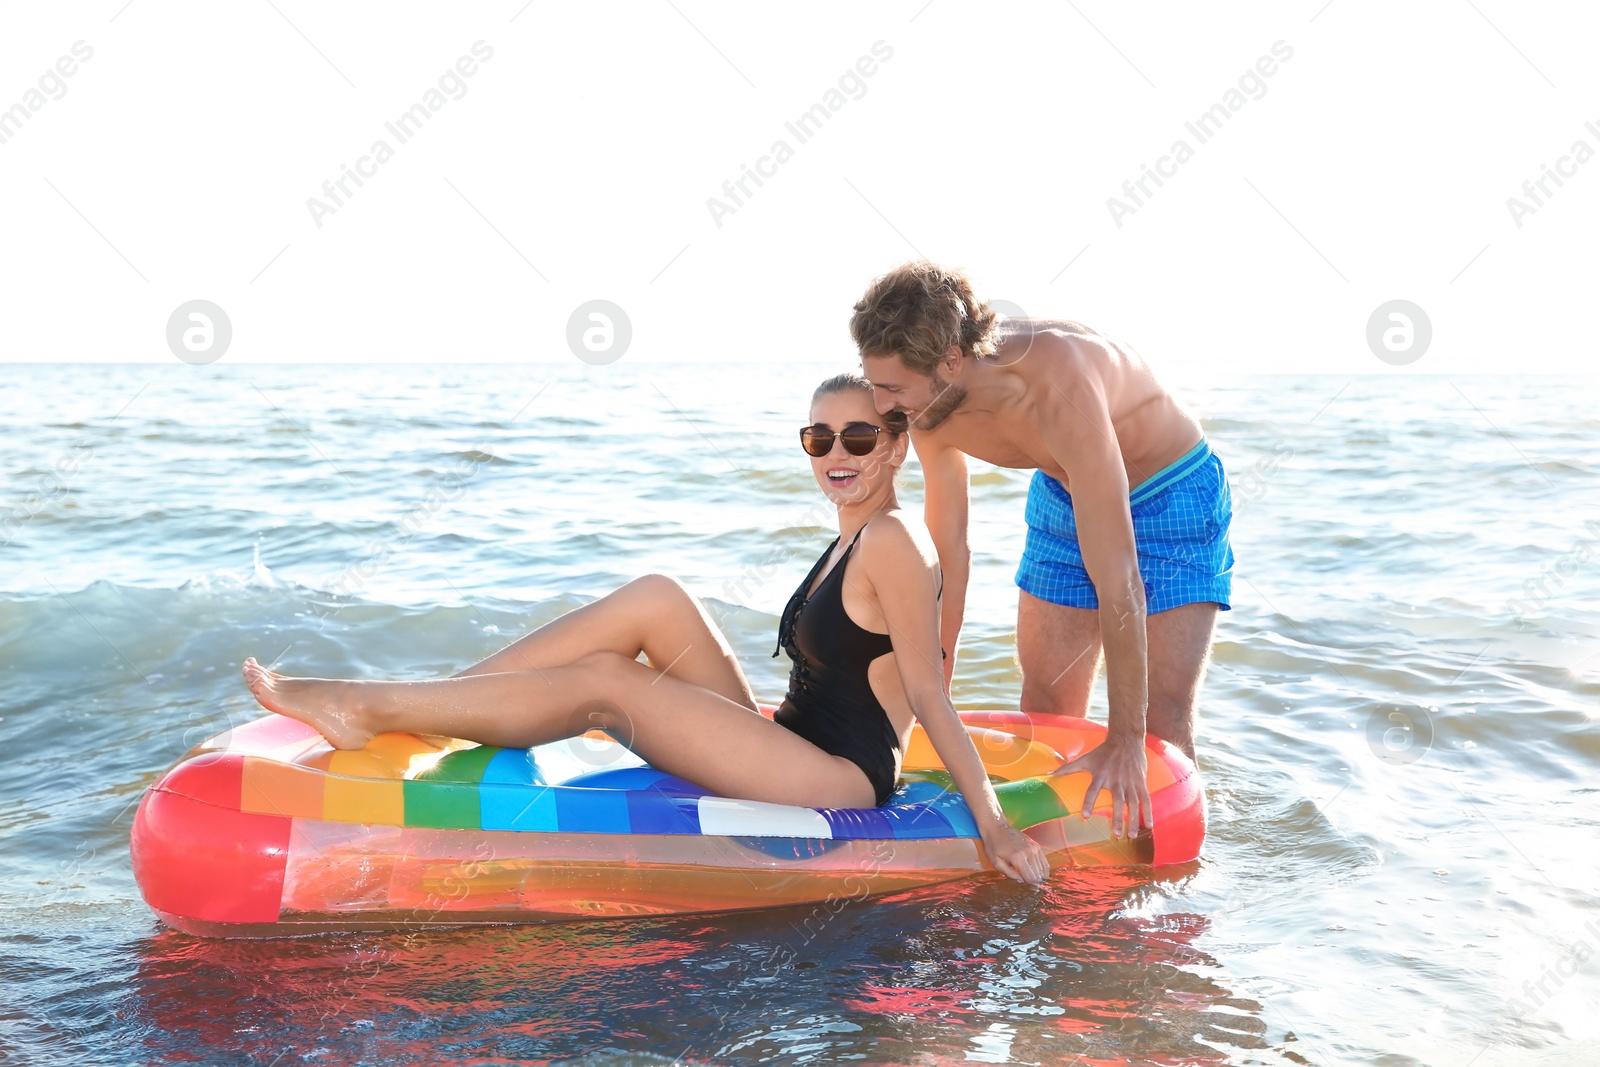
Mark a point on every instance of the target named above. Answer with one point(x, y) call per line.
point(940, 407)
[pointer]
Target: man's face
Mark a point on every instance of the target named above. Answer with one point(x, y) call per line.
point(925, 400)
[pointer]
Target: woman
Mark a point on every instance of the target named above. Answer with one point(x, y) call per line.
point(863, 629)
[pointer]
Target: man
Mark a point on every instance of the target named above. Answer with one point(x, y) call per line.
point(1128, 512)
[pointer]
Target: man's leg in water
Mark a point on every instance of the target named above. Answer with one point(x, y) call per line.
point(1179, 650)
point(1058, 649)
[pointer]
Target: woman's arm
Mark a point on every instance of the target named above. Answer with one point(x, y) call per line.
point(906, 583)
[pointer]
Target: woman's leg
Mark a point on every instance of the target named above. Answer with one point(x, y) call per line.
point(675, 726)
point(655, 615)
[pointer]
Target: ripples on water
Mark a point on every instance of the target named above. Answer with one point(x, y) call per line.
point(1398, 728)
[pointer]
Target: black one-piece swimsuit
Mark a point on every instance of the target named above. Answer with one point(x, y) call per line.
point(830, 702)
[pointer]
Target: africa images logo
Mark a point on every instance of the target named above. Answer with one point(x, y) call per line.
point(1203, 128)
point(405, 126)
point(807, 125)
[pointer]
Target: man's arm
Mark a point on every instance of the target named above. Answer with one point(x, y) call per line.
point(1075, 422)
point(944, 475)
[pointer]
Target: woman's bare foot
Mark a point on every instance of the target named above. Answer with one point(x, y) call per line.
point(331, 707)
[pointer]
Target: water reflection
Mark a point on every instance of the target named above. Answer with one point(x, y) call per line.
point(984, 970)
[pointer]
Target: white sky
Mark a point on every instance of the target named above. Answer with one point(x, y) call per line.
point(1377, 165)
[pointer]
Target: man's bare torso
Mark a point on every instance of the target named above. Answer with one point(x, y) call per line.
point(1153, 429)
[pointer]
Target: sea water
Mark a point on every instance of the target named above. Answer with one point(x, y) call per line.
point(1397, 732)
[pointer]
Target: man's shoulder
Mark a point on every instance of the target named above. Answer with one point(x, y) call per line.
point(1052, 365)
point(1064, 347)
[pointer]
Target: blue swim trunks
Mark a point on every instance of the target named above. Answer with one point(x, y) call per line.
point(1181, 516)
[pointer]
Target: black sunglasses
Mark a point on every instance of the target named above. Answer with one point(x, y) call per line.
point(859, 438)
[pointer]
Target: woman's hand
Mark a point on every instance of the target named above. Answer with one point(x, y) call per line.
point(903, 572)
point(1017, 855)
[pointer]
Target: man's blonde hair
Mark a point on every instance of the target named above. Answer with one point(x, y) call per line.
point(917, 311)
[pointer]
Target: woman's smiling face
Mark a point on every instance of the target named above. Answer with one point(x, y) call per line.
point(848, 479)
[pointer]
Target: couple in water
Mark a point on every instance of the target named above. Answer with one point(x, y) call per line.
point(1136, 573)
